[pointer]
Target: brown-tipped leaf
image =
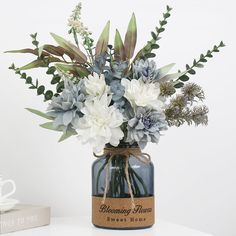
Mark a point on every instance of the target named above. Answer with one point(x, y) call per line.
point(131, 38)
point(39, 63)
point(70, 48)
point(119, 47)
point(28, 50)
point(103, 40)
point(57, 51)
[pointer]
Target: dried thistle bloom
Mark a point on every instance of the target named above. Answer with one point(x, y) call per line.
point(199, 115)
point(167, 89)
point(192, 91)
point(179, 101)
point(76, 24)
point(177, 115)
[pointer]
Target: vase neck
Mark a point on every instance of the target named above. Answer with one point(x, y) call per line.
point(123, 145)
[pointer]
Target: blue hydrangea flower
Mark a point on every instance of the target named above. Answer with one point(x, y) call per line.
point(66, 107)
point(99, 65)
point(125, 108)
point(119, 68)
point(117, 89)
point(116, 72)
point(146, 126)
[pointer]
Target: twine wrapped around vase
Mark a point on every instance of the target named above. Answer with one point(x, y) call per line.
point(126, 153)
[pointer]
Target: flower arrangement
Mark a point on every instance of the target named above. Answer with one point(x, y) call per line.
point(107, 94)
point(116, 100)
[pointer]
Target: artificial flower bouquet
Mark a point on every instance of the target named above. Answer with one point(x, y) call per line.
point(118, 101)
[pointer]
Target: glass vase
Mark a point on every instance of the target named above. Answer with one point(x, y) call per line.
point(123, 189)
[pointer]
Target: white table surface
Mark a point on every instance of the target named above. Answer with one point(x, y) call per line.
point(82, 227)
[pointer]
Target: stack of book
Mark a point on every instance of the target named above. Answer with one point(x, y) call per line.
point(24, 217)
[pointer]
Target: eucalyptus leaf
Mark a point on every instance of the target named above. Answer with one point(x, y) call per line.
point(40, 90)
point(155, 46)
point(29, 80)
point(199, 65)
point(51, 70)
point(179, 85)
point(56, 79)
point(154, 36)
point(60, 87)
point(48, 95)
point(149, 46)
point(192, 72)
point(150, 55)
point(184, 78)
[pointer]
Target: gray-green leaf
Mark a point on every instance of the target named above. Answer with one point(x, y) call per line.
point(39, 113)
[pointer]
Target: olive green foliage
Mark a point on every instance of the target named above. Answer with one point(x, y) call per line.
point(146, 52)
point(191, 70)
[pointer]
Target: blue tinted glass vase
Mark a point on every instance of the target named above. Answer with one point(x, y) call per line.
point(117, 176)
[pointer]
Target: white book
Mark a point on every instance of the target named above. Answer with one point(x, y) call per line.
point(24, 217)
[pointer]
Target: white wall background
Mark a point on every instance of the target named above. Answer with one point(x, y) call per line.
point(195, 167)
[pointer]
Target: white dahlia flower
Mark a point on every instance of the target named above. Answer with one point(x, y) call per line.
point(141, 94)
point(95, 85)
point(100, 124)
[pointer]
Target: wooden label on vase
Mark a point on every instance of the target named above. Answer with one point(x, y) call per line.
point(118, 213)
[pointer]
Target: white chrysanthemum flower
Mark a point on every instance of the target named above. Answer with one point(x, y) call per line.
point(95, 85)
point(100, 124)
point(141, 94)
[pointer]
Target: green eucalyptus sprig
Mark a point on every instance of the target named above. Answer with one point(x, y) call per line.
point(48, 94)
point(35, 42)
point(190, 70)
point(56, 78)
point(146, 52)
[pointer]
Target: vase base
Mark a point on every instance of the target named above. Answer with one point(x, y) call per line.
point(116, 213)
point(127, 228)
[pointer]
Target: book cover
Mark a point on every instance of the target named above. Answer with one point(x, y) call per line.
point(24, 217)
